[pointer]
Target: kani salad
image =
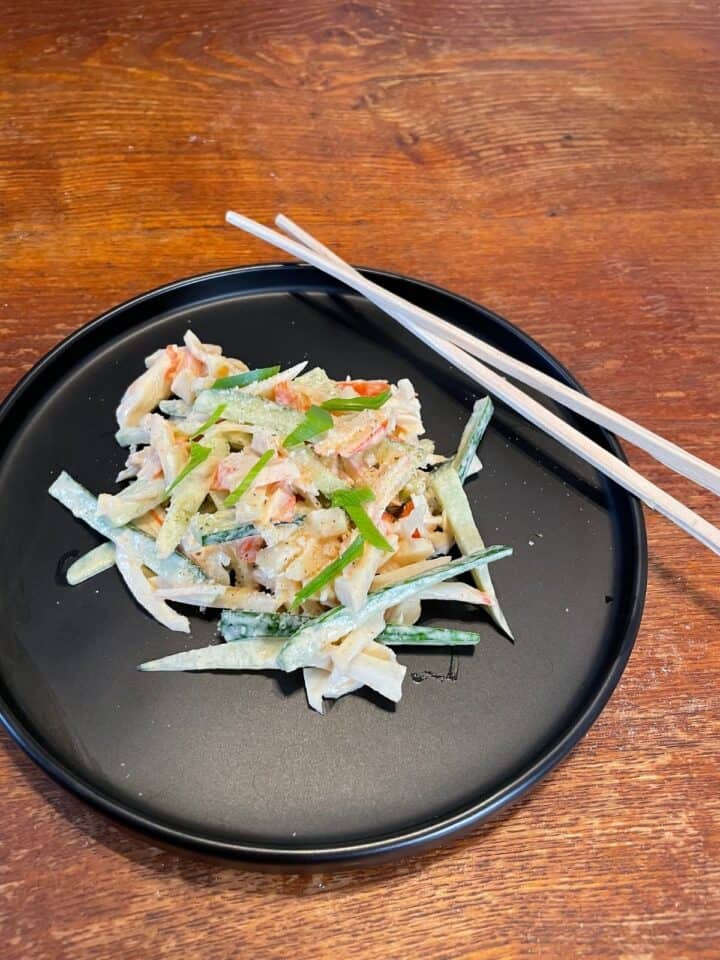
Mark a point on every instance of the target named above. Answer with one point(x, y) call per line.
point(311, 511)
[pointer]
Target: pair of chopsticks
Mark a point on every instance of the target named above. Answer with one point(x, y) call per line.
point(466, 352)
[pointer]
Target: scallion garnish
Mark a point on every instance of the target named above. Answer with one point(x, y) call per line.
point(357, 403)
point(243, 379)
point(211, 420)
point(247, 481)
point(351, 502)
point(198, 455)
point(316, 421)
point(329, 572)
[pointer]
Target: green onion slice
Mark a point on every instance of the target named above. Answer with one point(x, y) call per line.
point(358, 403)
point(329, 572)
point(351, 502)
point(247, 481)
point(243, 379)
point(211, 420)
point(316, 421)
point(198, 455)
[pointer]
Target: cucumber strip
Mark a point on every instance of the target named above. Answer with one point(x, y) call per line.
point(194, 595)
point(203, 523)
point(418, 452)
point(132, 502)
point(237, 625)
point(449, 490)
point(210, 422)
point(335, 623)
point(95, 561)
point(253, 655)
point(241, 624)
point(264, 654)
point(240, 531)
point(322, 477)
point(419, 636)
point(175, 408)
point(232, 533)
point(316, 381)
point(245, 408)
point(187, 498)
point(83, 505)
point(471, 436)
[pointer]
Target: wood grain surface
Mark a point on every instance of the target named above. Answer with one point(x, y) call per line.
point(557, 161)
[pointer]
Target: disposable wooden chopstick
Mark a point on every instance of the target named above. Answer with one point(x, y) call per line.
point(673, 456)
point(585, 448)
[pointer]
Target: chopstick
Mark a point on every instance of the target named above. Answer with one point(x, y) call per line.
point(673, 456)
point(407, 314)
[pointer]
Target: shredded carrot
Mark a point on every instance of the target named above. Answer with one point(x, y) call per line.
point(365, 388)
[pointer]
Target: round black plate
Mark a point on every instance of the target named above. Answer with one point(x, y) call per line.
point(238, 764)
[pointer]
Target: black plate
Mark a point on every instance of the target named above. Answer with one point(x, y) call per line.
point(238, 764)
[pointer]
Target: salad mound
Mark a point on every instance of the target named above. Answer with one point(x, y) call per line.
point(311, 511)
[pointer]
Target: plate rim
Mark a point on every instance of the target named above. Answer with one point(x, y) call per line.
point(401, 841)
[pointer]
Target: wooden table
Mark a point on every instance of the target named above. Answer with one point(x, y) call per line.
point(557, 161)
